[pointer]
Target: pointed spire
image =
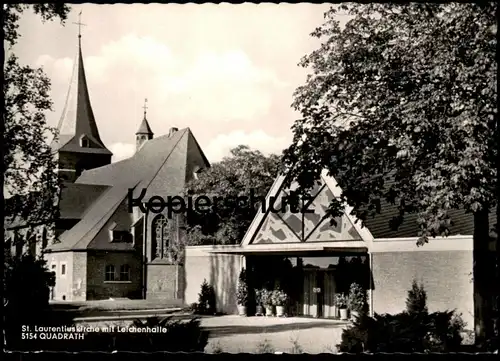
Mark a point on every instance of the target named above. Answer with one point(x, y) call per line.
point(77, 120)
point(144, 133)
point(144, 127)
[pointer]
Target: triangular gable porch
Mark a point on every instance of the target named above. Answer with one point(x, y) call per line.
point(274, 232)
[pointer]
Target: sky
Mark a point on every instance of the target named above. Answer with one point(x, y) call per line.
point(228, 72)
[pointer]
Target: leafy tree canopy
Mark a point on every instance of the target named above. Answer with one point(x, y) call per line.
point(405, 93)
point(30, 179)
point(245, 172)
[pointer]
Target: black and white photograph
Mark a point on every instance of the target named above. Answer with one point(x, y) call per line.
point(263, 178)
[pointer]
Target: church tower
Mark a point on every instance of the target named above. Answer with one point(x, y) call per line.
point(78, 145)
point(144, 133)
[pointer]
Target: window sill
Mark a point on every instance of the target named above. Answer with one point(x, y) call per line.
point(117, 281)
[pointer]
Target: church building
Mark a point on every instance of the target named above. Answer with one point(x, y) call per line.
point(101, 249)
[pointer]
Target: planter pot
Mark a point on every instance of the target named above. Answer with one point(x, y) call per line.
point(259, 311)
point(354, 315)
point(280, 311)
point(343, 314)
point(242, 310)
point(269, 311)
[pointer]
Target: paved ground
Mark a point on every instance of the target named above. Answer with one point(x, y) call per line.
point(236, 334)
point(261, 334)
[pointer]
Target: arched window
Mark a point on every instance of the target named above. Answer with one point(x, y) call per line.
point(160, 241)
point(109, 273)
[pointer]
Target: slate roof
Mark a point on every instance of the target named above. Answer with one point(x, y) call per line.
point(77, 118)
point(379, 227)
point(162, 166)
point(76, 198)
point(163, 160)
point(94, 219)
point(463, 223)
point(144, 128)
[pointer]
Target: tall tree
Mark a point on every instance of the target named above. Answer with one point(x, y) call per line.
point(407, 93)
point(28, 169)
point(246, 172)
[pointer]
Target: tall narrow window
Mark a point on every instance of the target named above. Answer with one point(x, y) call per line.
point(63, 269)
point(125, 272)
point(109, 273)
point(160, 235)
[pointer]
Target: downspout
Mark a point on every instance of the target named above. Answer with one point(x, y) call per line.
point(370, 255)
point(144, 255)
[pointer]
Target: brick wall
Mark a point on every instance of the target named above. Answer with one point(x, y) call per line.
point(220, 270)
point(98, 288)
point(79, 276)
point(446, 275)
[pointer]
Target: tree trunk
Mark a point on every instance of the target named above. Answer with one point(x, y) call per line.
point(482, 275)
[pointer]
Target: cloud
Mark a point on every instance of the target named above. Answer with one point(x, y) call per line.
point(59, 70)
point(122, 151)
point(214, 86)
point(220, 146)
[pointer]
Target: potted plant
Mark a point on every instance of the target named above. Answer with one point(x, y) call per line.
point(357, 300)
point(267, 301)
point(242, 293)
point(341, 302)
point(259, 310)
point(279, 300)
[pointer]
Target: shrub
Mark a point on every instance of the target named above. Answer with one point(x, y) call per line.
point(265, 347)
point(340, 300)
point(357, 298)
point(242, 292)
point(170, 335)
point(27, 282)
point(258, 297)
point(416, 301)
point(279, 298)
point(206, 300)
point(416, 331)
point(267, 297)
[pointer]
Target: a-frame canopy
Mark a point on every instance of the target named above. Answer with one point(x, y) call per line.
point(280, 226)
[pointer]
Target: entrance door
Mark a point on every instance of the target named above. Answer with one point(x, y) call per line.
point(319, 293)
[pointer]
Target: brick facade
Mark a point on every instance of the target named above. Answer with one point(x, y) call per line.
point(97, 286)
point(446, 275)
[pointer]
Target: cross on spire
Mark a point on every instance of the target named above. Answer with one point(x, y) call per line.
point(79, 23)
point(145, 107)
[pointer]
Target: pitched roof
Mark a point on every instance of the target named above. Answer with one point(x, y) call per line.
point(77, 118)
point(94, 219)
point(76, 198)
point(162, 166)
point(160, 161)
point(379, 223)
point(462, 223)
